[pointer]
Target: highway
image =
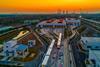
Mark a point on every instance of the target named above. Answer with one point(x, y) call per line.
point(66, 54)
point(91, 24)
point(70, 62)
point(56, 58)
point(56, 50)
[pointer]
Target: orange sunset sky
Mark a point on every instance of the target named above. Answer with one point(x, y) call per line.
point(48, 5)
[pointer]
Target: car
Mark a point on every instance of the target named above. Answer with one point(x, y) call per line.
point(59, 58)
point(60, 53)
point(54, 56)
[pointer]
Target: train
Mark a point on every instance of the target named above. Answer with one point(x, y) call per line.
point(47, 55)
point(59, 41)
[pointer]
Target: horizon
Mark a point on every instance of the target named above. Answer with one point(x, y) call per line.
point(50, 12)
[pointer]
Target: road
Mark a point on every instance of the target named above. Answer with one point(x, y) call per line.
point(66, 53)
point(57, 58)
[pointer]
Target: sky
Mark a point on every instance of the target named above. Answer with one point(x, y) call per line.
point(14, 6)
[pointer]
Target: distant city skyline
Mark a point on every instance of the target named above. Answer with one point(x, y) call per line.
point(48, 6)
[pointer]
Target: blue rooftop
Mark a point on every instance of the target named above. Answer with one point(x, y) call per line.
point(94, 51)
point(92, 41)
point(21, 47)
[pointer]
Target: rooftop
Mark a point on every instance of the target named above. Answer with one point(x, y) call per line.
point(72, 20)
point(95, 55)
point(91, 41)
point(21, 47)
point(4, 28)
point(55, 22)
point(94, 51)
point(11, 43)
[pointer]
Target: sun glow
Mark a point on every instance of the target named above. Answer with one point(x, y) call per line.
point(48, 5)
